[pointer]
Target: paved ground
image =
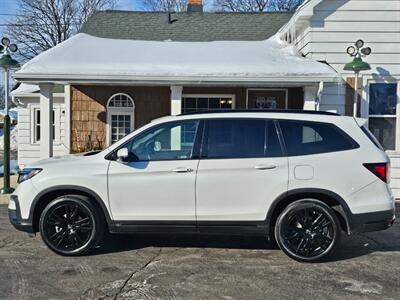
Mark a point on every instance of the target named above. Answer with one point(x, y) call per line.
point(137, 267)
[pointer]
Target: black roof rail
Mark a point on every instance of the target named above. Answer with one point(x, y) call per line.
point(290, 111)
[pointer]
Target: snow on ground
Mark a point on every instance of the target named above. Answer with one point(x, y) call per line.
point(13, 139)
point(84, 55)
point(13, 113)
point(13, 167)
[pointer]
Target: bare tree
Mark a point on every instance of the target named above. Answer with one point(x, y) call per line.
point(165, 5)
point(256, 5)
point(42, 24)
point(286, 5)
point(242, 5)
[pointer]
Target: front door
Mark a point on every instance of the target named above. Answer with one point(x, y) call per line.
point(241, 172)
point(267, 99)
point(157, 181)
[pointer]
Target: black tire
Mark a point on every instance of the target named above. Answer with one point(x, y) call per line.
point(71, 225)
point(307, 230)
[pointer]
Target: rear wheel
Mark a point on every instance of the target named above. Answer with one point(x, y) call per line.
point(307, 230)
point(71, 225)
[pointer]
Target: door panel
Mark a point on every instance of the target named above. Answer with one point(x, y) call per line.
point(236, 190)
point(153, 190)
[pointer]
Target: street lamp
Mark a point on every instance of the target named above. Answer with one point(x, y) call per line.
point(357, 65)
point(7, 63)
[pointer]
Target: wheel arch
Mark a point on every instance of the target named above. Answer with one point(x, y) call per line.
point(330, 198)
point(46, 196)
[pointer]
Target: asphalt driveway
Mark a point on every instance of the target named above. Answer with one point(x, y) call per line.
point(366, 266)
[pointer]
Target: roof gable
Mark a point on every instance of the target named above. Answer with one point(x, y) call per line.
point(187, 27)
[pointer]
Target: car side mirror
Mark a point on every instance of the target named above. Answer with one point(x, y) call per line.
point(122, 154)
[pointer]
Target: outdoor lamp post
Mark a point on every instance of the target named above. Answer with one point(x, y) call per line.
point(7, 63)
point(357, 65)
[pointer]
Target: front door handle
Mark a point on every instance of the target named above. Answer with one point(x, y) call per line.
point(182, 170)
point(265, 167)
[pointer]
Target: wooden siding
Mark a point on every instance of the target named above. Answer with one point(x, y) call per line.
point(89, 113)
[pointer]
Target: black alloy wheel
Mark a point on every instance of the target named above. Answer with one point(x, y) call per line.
point(307, 230)
point(71, 225)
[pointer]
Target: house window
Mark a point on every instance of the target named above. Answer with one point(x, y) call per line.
point(383, 113)
point(198, 103)
point(120, 117)
point(37, 124)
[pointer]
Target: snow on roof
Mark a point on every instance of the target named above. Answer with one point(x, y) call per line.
point(85, 56)
point(25, 88)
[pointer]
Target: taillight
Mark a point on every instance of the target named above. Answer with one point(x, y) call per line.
point(380, 170)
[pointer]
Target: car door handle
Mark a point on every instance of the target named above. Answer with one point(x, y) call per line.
point(182, 170)
point(265, 167)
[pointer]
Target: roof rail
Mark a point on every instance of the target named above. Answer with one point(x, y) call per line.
point(290, 111)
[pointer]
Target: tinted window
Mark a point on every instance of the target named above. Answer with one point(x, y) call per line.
point(171, 141)
point(240, 138)
point(302, 138)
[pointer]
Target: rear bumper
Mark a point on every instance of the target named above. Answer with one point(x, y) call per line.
point(374, 221)
point(15, 217)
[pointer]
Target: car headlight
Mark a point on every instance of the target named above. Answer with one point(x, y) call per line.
point(28, 173)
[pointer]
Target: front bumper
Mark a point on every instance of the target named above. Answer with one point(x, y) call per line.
point(374, 221)
point(16, 219)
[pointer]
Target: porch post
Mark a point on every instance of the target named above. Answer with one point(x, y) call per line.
point(46, 122)
point(176, 100)
point(310, 97)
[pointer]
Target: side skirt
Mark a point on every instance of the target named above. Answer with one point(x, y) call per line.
point(182, 227)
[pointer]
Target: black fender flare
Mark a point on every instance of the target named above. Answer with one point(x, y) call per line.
point(71, 188)
point(344, 209)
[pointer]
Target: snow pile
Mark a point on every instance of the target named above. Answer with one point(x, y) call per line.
point(25, 88)
point(86, 56)
point(13, 139)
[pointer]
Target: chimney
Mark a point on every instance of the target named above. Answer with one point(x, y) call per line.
point(195, 6)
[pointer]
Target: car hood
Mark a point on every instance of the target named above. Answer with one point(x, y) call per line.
point(66, 159)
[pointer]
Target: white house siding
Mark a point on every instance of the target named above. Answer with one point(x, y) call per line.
point(337, 24)
point(28, 151)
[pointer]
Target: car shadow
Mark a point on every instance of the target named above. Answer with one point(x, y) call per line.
point(127, 242)
point(356, 245)
point(350, 247)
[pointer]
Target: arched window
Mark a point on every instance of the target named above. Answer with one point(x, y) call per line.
point(120, 117)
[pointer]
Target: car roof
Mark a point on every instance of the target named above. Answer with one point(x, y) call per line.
point(317, 116)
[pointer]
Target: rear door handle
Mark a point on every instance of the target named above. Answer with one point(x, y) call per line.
point(265, 167)
point(182, 170)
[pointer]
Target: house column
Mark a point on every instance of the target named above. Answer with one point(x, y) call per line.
point(176, 100)
point(46, 120)
point(311, 97)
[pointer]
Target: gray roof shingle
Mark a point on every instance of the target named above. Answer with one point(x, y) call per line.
point(187, 27)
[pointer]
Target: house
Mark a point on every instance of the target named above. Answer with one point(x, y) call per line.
point(126, 68)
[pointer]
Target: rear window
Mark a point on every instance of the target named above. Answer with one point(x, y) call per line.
point(303, 138)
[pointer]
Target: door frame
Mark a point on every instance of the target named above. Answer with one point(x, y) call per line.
point(286, 90)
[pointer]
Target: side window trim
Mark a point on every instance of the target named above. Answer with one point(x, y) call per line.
point(280, 137)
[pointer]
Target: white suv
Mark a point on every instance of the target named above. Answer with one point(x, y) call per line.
point(298, 177)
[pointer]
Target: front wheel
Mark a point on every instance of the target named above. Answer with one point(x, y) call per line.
point(307, 230)
point(71, 225)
